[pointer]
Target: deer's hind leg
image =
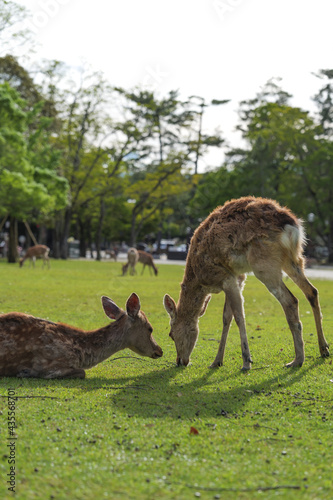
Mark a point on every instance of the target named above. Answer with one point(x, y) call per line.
point(271, 277)
point(62, 372)
point(296, 273)
point(227, 319)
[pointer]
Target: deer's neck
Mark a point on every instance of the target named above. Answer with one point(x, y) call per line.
point(192, 296)
point(99, 345)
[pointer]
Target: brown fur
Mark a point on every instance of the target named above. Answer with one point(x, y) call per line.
point(248, 234)
point(37, 251)
point(112, 254)
point(34, 347)
point(132, 260)
point(147, 260)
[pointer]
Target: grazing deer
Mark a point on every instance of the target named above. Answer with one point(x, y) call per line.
point(132, 259)
point(34, 347)
point(248, 234)
point(36, 251)
point(147, 260)
point(112, 254)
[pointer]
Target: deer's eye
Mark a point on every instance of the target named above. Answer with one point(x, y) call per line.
point(150, 329)
point(170, 335)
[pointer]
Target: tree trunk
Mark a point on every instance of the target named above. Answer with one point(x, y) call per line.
point(56, 236)
point(65, 234)
point(133, 232)
point(99, 229)
point(90, 239)
point(42, 237)
point(13, 240)
point(330, 243)
point(82, 238)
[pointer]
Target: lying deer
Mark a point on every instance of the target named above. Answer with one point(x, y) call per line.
point(132, 260)
point(248, 234)
point(147, 260)
point(36, 251)
point(34, 347)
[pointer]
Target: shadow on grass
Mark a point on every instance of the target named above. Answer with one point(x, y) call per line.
point(200, 397)
point(176, 392)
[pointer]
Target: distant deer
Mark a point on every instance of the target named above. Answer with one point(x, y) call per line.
point(36, 251)
point(34, 347)
point(133, 257)
point(147, 260)
point(112, 254)
point(246, 234)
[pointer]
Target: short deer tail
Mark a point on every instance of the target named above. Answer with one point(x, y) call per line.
point(293, 239)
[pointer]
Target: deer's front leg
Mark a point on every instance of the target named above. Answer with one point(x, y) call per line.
point(235, 298)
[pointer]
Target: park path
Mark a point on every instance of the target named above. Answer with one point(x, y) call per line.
point(322, 272)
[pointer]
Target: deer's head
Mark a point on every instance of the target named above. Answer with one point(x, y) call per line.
point(135, 327)
point(184, 329)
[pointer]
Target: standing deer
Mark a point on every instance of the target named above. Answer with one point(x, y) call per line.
point(34, 347)
point(248, 234)
point(112, 254)
point(36, 251)
point(147, 260)
point(133, 257)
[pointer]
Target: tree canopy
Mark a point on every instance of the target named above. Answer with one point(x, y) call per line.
point(103, 164)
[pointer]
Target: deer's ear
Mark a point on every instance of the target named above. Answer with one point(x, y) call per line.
point(205, 304)
point(170, 306)
point(110, 308)
point(133, 305)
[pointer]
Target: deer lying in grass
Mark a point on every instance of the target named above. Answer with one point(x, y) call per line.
point(147, 260)
point(132, 260)
point(34, 347)
point(36, 251)
point(248, 234)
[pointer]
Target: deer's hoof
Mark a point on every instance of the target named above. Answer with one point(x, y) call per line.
point(324, 351)
point(294, 364)
point(216, 364)
point(182, 362)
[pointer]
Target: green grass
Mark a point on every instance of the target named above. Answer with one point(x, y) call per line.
point(124, 431)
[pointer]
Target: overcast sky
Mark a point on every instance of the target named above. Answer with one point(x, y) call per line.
point(222, 49)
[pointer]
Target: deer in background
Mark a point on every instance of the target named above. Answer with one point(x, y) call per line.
point(132, 260)
point(248, 234)
point(112, 254)
point(34, 347)
point(36, 251)
point(147, 260)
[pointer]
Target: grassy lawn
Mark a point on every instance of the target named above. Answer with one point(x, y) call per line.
point(124, 431)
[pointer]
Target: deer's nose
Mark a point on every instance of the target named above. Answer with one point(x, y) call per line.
point(158, 353)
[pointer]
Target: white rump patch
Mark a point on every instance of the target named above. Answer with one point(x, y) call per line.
point(293, 237)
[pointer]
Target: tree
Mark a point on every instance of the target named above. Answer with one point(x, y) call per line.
point(199, 142)
point(324, 101)
point(150, 194)
point(13, 33)
point(25, 185)
point(156, 170)
point(288, 158)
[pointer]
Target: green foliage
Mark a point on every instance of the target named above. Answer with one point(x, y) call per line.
point(12, 30)
point(25, 184)
point(131, 158)
point(124, 431)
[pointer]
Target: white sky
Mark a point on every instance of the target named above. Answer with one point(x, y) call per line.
point(223, 49)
